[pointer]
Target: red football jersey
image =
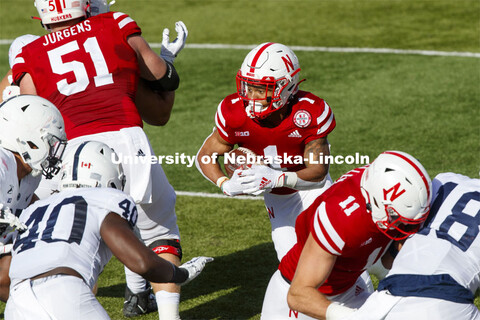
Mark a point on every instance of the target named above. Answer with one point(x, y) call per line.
point(311, 118)
point(88, 71)
point(341, 225)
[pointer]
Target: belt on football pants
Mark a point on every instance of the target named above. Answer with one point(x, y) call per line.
point(59, 270)
point(439, 286)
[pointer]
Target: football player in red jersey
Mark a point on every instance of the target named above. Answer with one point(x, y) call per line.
point(270, 116)
point(91, 67)
point(347, 229)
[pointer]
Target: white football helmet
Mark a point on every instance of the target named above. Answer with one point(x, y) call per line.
point(59, 11)
point(398, 192)
point(100, 6)
point(33, 127)
point(273, 66)
point(92, 164)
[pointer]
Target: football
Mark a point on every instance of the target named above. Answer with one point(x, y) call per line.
point(238, 158)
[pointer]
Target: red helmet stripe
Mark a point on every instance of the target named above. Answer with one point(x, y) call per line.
point(59, 6)
point(257, 56)
point(415, 167)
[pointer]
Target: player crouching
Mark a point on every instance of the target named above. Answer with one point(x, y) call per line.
point(71, 236)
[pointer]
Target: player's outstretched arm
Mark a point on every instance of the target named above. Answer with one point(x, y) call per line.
point(156, 88)
point(119, 237)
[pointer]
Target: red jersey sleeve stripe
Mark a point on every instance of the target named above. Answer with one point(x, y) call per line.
point(220, 120)
point(219, 125)
point(327, 126)
point(124, 22)
point(125, 19)
point(324, 114)
point(326, 233)
point(117, 15)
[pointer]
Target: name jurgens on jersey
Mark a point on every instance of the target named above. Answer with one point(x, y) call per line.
point(65, 33)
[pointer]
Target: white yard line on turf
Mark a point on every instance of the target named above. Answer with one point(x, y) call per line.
point(318, 49)
point(214, 195)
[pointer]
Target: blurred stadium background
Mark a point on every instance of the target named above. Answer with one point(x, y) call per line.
point(424, 101)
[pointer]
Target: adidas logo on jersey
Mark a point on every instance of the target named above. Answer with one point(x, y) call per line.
point(295, 134)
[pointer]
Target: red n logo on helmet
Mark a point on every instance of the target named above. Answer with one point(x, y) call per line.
point(288, 62)
point(395, 192)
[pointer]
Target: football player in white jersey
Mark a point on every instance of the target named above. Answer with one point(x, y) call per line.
point(71, 236)
point(148, 184)
point(32, 141)
point(437, 271)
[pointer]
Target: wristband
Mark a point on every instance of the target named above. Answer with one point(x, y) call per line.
point(180, 275)
point(221, 180)
point(290, 180)
point(169, 82)
point(336, 311)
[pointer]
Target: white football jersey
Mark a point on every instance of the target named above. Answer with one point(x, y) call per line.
point(64, 231)
point(13, 194)
point(450, 241)
point(17, 45)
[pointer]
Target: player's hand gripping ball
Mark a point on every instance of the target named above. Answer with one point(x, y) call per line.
point(239, 158)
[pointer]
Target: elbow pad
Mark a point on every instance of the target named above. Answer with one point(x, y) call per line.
point(169, 82)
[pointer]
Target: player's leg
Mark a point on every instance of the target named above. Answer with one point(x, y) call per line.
point(283, 211)
point(157, 223)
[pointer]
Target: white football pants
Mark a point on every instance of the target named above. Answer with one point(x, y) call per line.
point(275, 306)
point(56, 297)
point(384, 306)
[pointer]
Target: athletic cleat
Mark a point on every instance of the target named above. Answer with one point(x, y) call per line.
point(137, 304)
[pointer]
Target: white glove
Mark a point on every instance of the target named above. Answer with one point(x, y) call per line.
point(8, 219)
point(263, 179)
point(10, 91)
point(10, 225)
point(194, 267)
point(171, 49)
point(236, 185)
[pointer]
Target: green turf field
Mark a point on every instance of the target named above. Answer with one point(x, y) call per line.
point(428, 106)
